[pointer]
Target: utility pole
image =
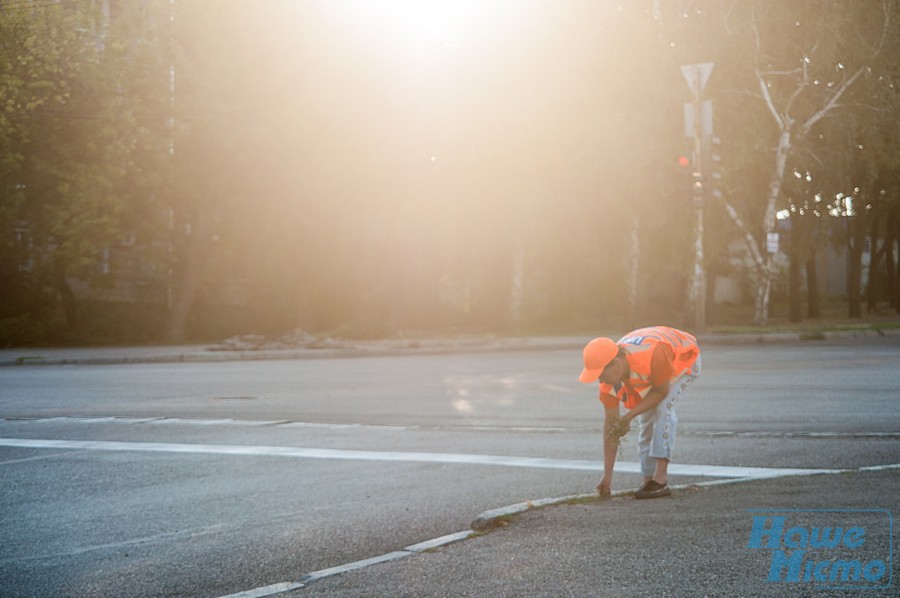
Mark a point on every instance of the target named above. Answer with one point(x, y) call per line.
point(698, 125)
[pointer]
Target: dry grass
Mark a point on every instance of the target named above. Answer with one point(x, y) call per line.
point(617, 431)
point(739, 319)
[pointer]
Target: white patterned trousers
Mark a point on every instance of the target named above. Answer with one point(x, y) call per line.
point(658, 427)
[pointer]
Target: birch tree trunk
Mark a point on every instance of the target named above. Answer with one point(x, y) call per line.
point(517, 290)
point(634, 255)
point(795, 312)
point(812, 287)
point(189, 282)
point(69, 301)
point(855, 242)
point(892, 280)
point(876, 251)
point(764, 284)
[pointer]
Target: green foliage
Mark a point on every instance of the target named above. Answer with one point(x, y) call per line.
point(66, 145)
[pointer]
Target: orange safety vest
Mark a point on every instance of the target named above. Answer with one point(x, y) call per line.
point(639, 345)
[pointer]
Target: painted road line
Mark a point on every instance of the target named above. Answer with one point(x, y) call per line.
point(717, 471)
point(438, 542)
point(793, 435)
point(322, 574)
point(331, 571)
point(196, 421)
point(216, 422)
point(351, 426)
point(272, 590)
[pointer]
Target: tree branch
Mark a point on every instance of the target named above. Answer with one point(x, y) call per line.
point(832, 102)
point(746, 233)
point(789, 73)
point(804, 79)
point(728, 17)
point(763, 87)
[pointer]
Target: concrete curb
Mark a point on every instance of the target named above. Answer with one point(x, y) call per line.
point(497, 518)
point(12, 357)
point(211, 356)
point(494, 518)
point(280, 588)
point(794, 337)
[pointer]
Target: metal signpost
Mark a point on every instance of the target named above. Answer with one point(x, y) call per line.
point(698, 124)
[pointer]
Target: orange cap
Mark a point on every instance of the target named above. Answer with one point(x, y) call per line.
point(597, 355)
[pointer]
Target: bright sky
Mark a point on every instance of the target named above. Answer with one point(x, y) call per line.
point(425, 22)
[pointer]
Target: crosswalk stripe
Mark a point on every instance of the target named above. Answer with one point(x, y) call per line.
point(717, 471)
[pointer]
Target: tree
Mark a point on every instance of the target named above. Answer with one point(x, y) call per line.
point(803, 84)
point(66, 148)
point(851, 174)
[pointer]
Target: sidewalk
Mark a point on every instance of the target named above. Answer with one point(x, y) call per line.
point(331, 348)
point(694, 543)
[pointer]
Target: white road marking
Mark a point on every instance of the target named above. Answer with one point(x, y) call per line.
point(309, 578)
point(322, 574)
point(438, 542)
point(216, 422)
point(35, 458)
point(198, 421)
point(764, 434)
point(272, 590)
point(717, 471)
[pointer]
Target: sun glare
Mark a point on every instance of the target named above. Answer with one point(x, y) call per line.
point(423, 23)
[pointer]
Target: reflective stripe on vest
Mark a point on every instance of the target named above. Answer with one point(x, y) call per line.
point(639, 345)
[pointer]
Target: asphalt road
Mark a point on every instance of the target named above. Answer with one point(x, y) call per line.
point(237, 475)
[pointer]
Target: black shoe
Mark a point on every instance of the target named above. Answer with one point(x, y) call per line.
point(653, 489)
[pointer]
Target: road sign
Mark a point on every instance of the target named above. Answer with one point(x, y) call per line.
point(706, 118)
point(697, 75)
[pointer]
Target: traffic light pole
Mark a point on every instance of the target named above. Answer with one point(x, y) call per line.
point(699, 282)
point(698, 123)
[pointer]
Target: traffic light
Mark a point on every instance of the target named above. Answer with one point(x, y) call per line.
point(690, 167)
point(698, 189)
point(714, 167)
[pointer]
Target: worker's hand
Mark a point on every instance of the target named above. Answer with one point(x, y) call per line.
point(603, 488)
point(619, 428)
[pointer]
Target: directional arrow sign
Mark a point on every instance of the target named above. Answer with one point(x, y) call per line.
point(691, 71)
